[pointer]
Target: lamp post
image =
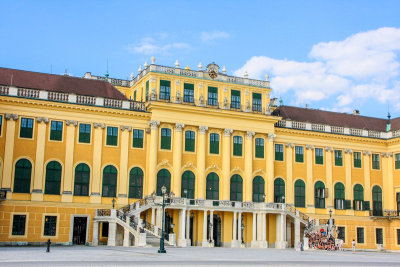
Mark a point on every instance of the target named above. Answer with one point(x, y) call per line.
point(113, 203)
point(330, 221)
point(242, 237)
point(162, 249)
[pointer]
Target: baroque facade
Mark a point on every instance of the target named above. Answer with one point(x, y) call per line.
point(84, 160)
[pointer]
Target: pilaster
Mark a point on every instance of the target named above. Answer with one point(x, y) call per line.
point(248, 167)
point(309, 182)
point(289, 173)
point(367, 176)
point(329, 184)
point(95, 196)
point(37, 190)
point(177, 158)
point(388, 189)
point(270, 168)
point(153, 156)
point(69, 161)
point(201, 162)
point(226, 163)
point(123, 164)
point(9, 153)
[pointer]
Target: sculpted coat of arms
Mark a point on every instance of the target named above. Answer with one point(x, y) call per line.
point(212, 70)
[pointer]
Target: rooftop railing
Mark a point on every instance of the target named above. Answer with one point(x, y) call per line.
point(72, 98)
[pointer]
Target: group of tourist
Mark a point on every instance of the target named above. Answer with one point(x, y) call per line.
point(320, 240)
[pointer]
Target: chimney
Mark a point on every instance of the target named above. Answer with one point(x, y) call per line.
point(356, 112)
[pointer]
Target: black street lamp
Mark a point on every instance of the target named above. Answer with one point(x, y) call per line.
point(162, 249)
point(113, 203)
point(242, 237)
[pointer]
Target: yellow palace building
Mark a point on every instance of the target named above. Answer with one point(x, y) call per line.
point(84, 161)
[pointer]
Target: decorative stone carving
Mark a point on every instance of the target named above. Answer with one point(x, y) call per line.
point(42, 119)
point(188, 165)
point(329, 149)
point(123, 128)
point(178, 96)
point(201, 100)
point(271, 136)
point(153, 94)
point(228, 132)
point(291, 145)
point(348, 151)
point(237, 169)
point(225, 89)
point(179, 127)
point(200, 85)
point(250, 134)
point(203, 129)
point(152, 80)
point(225, 103)
point(71, 122)
point(310, 147)
point(154, 124)
point(367, 152)
point(97, 125)
point(386, 154)
point(177, 83)
point(10, 116)
point(248, 106)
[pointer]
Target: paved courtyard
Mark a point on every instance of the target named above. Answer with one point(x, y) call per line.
point(194, 256)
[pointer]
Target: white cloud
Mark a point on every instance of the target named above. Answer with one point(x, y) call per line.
point(364, 66)
point(210, 36)
point(152, 46)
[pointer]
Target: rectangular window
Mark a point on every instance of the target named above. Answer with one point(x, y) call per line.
point(260, 148)
point(189, 141)
point(112, 136)
point(188, 93)
point(396, 160)
point(134, 95)
point(237, 146)
point(398, 236)
point(341, 233)
point(257, 104)
point(18, 227)
point(375, 162)
point(165, 89)
point(299, 150)
point(56, 130)
point(26, 129)
point(279, 152)
point(338, 158)
point(1, 123)
point(214, 143)
point(50, 226)
point(137, 138)
point(357, 159)
point(379, 236)
point(84, 133)
point(360, 235)
point(165, 138)
point(147, 91)
point(212, 96)
point(319, 156)
point(235, 99)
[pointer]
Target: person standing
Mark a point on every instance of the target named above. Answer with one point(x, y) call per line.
point(353, 245)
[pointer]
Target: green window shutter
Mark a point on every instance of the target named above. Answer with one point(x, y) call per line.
point(188, 93)
point(347, 204)
point(112, 136)
point(279, 152)
point(367, 205)
point(134, 95)
point(237, 146)
point(212, 186)
point(22, 176)
point(137, 138)
point(319, 156)
point(299, 154)
point(338, 158)
point(84, 133)
point(136, 183)
point(258, 189)
point(165, 138)
point(279, 190)
point(163, 179)
point(56, 130)
point(259, 148)
point(189, 141)
point(375, 162)
point(53, 178)
point(357, 159)
point(214, 143)
point(212, 96)
point(236, 192)
point(397, 161)
point(257, 102)
point(26, 128)
point(235, 99)
point(109, 181)
point(165, 88)
point(147, 90)
point(299, 194)
point(1, 123)
point(82, 179)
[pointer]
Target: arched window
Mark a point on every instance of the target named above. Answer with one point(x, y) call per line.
point(22, 176)
point(109, 181)
point(212, 186)
point(279, 190)
point(82, 178)
point(377, 201)
point(53, 178)
point(136, 183)
point(188, 185)
point(236, 188)
point(258, 189)
point(358, 197)
point(300, 194)
point(320, 195)
point(163, 178)
point(339, 196)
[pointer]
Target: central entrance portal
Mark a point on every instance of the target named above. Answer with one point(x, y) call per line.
point(79, 232)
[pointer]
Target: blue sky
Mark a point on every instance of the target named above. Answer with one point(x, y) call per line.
point(334, 55)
